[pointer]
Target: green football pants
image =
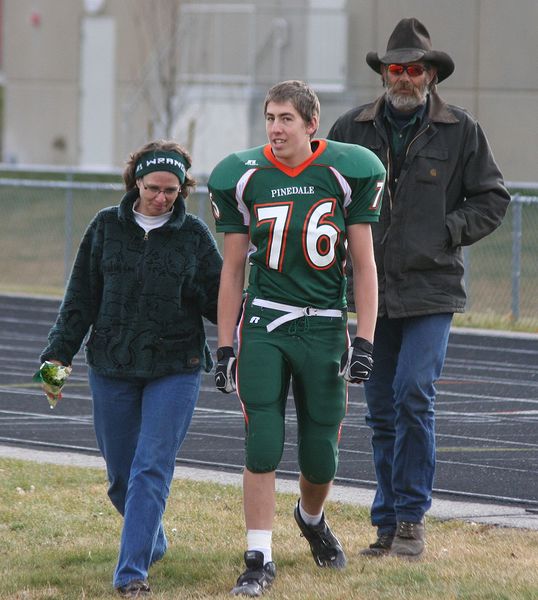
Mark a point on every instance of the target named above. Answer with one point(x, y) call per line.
point(306, 352)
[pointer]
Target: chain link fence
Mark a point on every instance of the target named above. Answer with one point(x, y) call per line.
point(501, 274)
point(43, 221)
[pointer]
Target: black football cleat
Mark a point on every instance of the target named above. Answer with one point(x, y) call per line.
point(324, 545)
point(257, 577)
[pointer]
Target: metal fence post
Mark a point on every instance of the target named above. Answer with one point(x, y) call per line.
point(522, 282)
point(68, 226)
point(517, 209)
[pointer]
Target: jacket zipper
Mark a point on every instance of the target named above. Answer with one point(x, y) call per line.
point(389, 169)
point(415, 138)
point(389, 165)
point(139, 268)
point(387, 183)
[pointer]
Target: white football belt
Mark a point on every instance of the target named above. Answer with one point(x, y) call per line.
point(294, 312)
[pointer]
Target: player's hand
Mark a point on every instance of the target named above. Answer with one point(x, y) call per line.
point(225, 370)
point(357, 362)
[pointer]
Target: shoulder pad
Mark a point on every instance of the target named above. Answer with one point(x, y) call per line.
point(228, 172)
point(352, 160)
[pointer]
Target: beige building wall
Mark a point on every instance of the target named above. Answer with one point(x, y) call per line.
point(226, 59)
point(40, 67)
point(490, 41)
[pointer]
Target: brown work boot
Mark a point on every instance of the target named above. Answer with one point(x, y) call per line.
point(408, 542)
point(381, 547)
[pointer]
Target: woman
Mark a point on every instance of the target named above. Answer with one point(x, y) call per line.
point(145, 274)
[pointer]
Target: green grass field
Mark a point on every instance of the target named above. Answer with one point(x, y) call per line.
point(33, 235)
point(32, 230)
point(60, 535)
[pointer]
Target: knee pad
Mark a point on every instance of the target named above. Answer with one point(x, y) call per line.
point(264, 446)
point(264, 460)
point(318, 459)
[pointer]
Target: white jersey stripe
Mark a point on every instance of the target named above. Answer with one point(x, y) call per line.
point(239, 191)
point(344, 185)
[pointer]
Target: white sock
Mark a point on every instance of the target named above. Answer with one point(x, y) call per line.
point(260, 540)
point(307, 518)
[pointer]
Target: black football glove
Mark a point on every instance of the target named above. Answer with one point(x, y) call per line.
point(225, 370)
point(356, 362)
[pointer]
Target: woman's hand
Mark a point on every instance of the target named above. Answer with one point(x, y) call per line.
point(52, 375)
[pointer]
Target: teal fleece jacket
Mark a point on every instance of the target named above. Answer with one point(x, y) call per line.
point(142, 295)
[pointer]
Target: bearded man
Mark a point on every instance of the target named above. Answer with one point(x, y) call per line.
point(444, 191)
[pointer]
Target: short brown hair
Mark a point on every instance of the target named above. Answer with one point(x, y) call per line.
point(166, 146)
point(301, 95)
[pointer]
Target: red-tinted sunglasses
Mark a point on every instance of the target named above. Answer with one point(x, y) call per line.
point(412, 70)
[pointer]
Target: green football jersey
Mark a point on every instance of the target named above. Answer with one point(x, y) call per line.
point(296, 218)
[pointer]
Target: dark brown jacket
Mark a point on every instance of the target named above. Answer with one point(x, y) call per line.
point(450, 193)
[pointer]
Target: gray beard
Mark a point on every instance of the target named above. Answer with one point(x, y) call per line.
point(406, 103)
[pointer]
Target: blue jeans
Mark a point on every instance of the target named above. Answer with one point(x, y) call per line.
point(140, 425)
point(408, 358)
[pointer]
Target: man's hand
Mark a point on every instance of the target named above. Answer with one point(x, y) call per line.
point(356, 362)
point(225, 370)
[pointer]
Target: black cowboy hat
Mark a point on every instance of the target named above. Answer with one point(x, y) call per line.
point(410, 42)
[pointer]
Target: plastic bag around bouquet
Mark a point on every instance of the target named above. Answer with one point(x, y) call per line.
point(52, 377)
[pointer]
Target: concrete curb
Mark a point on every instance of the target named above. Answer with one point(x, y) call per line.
point(491, 514)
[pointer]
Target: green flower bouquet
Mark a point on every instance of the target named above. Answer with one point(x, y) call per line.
point(52, 378)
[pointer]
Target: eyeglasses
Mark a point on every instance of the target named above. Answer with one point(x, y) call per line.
point(411, 70)
point(155, 190)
